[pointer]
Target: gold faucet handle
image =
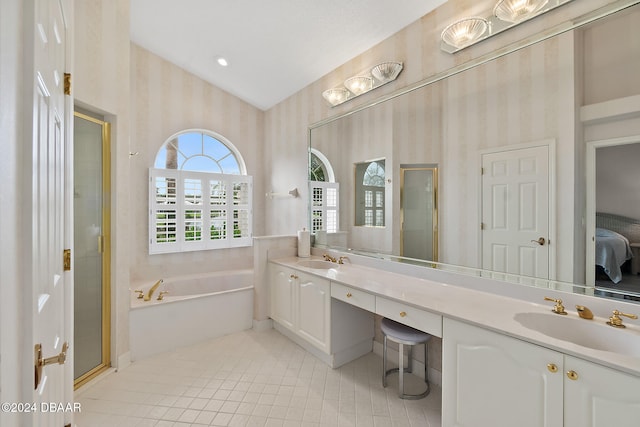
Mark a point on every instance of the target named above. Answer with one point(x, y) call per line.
point(140, 293)
point(161, 295)
point(558, 308)
point(328, 257)
point(616, 321)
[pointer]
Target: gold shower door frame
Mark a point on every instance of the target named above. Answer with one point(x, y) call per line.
point(105, 244)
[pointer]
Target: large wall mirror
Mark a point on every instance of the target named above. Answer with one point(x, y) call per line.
point(514, 144)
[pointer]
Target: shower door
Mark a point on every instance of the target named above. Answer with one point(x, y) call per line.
point(418, 212)
point(91, 254)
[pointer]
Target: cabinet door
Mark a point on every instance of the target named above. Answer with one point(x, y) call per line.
point(282, 285)
point(490, 379)
point(597, 396)
point(314, 315)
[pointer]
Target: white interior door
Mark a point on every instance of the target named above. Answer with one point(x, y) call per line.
point(48, 213)
point(515, 211)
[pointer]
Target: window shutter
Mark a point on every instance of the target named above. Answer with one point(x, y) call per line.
point(191, 211)
point(324, 206)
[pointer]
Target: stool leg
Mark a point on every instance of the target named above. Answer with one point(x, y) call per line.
point(384, 362)
point(426, 363)
point(401, 371)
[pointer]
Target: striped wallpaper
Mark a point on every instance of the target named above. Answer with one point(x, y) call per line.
point(530, 96)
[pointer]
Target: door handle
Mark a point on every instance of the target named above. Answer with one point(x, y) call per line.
point(40, 361)
point(541, 241)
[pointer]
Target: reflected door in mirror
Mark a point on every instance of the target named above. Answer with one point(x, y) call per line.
point(515, 211)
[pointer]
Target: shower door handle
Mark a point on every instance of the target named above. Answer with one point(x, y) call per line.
point(100, 244)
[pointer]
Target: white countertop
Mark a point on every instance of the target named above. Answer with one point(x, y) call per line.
point(487, 310)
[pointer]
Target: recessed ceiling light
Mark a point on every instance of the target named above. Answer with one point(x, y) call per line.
point(223, 62)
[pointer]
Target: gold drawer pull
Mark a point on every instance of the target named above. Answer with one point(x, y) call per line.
point(552, 367)
point(573, 375)
point(349, 295)
point(293, 276)
point(403, 314)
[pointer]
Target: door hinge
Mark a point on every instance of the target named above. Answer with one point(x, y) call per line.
point(66, 260)
point(482, 226)
point(67, 83)
point(481, 171)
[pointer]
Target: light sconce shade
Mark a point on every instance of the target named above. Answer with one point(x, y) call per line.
point(387, 71)
point(516, 11)
point(359, 84)
point(363, 82)
point(506, 14)
point(464, 32)
point(336, 95)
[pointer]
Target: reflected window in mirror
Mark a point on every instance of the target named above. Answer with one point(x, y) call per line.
point(370, 178)
point(324, 194)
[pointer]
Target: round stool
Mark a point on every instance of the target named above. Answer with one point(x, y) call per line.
point(403, 335)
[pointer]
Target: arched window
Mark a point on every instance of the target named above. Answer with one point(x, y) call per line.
point(199, 195)
point(198, 150)
point(370, 189)
point(324, 194)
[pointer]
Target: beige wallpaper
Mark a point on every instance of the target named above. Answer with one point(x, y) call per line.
point(478, 110)
point(166, 99)
point(101, 83)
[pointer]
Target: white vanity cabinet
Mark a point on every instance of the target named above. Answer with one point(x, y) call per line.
point(282, 284)
point(313, 308)
point(301, 303)
point(490, 379)
point(599, 396)
point(303, 310)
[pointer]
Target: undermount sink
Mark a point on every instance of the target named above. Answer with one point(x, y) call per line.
point(317, 264)
point(586, 333)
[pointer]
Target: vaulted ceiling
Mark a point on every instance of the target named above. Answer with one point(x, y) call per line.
point(274, 48)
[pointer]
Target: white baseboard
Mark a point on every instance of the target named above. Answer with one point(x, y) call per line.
point(435, 376)
point(262, 325)
point(123, 361)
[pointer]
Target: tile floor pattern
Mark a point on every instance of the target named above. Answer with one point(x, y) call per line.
point(250, 379)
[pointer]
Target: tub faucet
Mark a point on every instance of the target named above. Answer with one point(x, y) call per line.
point(147, 297)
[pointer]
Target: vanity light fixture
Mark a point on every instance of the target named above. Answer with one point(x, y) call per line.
point(465, 32)
point(515, 11)
point(504, 15)
point(337, 95)
point(363, 82)
point(359, 84)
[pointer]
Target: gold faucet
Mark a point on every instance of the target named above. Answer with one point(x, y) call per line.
point(161, 295)
point(558, 308)
point(342, 258)
point(584, 312)
point(616, 321)
point(329, 258)
point(147, 297)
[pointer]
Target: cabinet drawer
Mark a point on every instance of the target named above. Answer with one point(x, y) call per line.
point(402, 313)
point(352, 296)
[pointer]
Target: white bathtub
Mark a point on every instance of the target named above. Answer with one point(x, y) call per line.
point(197, 307)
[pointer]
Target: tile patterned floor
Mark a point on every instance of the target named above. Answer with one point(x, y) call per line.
point(250, 379)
